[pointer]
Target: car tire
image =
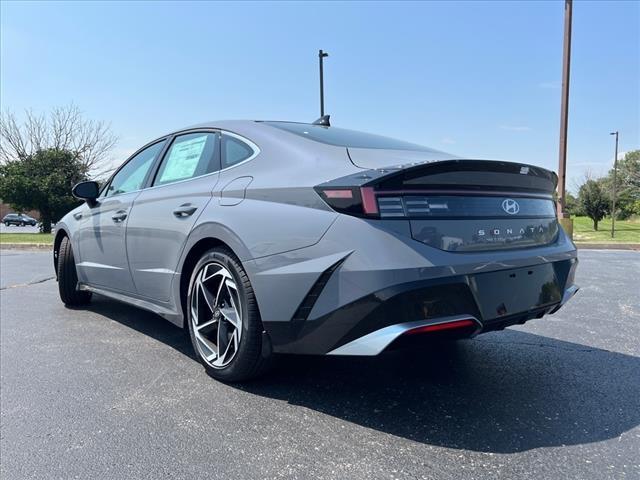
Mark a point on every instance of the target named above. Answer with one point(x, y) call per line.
point(22, 224)
point(68, 277)
point(250, 350)
point(7, 224)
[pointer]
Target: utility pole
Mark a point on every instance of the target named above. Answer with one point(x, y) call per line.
point(564, 110)
point(321, 56)
point(563, 216)
point(613, 203)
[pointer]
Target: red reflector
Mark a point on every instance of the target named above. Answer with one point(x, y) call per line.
point(441, 326)
point(369, 203)
point(338, 193)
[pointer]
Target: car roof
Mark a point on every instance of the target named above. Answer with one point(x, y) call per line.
point(268, 129)
point(230, 125)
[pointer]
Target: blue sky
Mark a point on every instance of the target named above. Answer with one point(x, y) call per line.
point(477, 79)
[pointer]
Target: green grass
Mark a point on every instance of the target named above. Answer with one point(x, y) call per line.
point(627, 231)
point(26, 238)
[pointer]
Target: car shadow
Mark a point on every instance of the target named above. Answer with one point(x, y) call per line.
point(143, 321)
point(501, 392)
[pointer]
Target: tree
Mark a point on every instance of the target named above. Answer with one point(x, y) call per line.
point(629, 173)
point(42, 181)
point(593, 201)
point(63, 129)
point(627, 185)
point(572, 205)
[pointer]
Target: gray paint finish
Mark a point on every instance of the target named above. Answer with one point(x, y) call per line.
point(100, 242)
point(156, 235)
point(235, 191)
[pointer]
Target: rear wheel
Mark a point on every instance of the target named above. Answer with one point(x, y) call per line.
point(223, 318)
point(68, 277)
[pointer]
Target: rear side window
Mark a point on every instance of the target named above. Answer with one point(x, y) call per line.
point(190, 155)
point(235, 151)
point(131, 177)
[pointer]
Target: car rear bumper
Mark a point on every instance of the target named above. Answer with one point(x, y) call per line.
point(458, 326)
point(362, 277)
point(370, 324)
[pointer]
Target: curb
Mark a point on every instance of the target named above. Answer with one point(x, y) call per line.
point(26, 246)
point(608, 246)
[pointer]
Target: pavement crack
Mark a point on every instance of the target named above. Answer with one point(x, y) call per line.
point(28, 284)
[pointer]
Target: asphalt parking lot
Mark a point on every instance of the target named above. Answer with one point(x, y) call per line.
point(114, 392)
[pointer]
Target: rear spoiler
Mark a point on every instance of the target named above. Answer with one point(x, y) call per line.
point(467, 175)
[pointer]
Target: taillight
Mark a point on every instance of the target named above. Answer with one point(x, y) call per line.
point(372, 202)
point(356, 201)
point(369, 201)
point(335, 194)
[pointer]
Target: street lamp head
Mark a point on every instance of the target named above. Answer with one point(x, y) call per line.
point(323, 54)
point(613, 133)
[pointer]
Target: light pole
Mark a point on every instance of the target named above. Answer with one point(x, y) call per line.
point(613, 203)
point(321, 56)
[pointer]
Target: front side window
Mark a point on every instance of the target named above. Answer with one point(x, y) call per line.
point(131, 177)
point(234, 151)
point(190, 155)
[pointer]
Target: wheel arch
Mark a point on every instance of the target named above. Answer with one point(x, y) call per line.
point(201, 239)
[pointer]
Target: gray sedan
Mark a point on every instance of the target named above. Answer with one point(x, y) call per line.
point(266, 238)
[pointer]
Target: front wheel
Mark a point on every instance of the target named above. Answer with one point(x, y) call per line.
point(224, 320)
point(68, 277)
point(7, 224)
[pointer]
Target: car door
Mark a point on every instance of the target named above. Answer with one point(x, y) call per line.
point(102, 227)
point(164, 214)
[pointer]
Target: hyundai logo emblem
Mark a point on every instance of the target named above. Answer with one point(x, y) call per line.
point(510, 206)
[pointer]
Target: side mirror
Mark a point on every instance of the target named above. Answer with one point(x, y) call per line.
point(87, 191)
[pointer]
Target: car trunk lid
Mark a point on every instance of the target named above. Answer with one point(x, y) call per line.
point(394, 159)
point(460, 205)
point(473, 205)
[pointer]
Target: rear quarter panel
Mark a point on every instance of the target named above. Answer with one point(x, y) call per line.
point(277, 210)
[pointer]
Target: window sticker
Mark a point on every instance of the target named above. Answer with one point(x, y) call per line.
point(183, 159)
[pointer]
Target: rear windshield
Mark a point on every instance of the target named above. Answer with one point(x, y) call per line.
point(342, 137)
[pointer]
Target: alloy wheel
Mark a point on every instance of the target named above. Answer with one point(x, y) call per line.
point(216, 315)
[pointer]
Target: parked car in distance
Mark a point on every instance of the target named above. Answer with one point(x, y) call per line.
point(19, 219)
point(266, 238)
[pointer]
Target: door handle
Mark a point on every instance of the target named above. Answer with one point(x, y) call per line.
point(119, 216)
point(185, 210)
